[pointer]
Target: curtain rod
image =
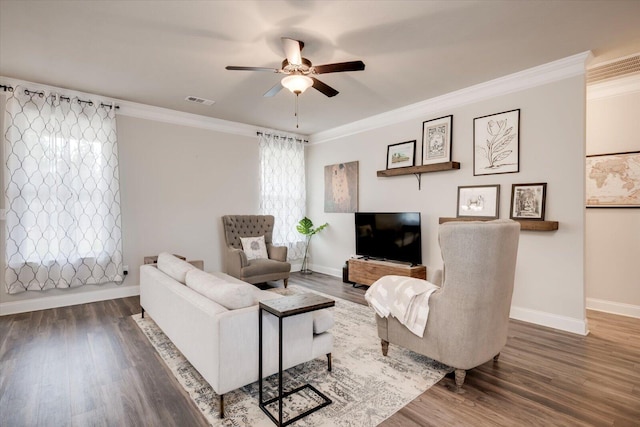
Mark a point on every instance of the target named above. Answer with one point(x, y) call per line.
point(278, 136)
point(66, 98)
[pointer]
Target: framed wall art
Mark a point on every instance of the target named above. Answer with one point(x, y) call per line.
point(613, 180)
point(528, 201)
point(401, 155)
point(437, 136)
point(496, 141)
point(479, 201)
point(341, 187)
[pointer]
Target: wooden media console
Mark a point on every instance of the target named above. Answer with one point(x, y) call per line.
point(367, 271)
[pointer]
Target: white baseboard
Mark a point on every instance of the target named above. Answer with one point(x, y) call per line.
point(612, 307)
point(563, 323)
point(43, 303)
point(335, 272)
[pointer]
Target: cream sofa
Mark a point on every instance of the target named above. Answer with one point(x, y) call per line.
point(222, 342)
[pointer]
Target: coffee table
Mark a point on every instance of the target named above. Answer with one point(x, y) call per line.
point(282, 308)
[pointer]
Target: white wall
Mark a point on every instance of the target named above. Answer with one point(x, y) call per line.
point(549, 287)
point(613, 235)
point(176, 182)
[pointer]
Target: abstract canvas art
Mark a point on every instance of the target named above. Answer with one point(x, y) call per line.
point(341, 187)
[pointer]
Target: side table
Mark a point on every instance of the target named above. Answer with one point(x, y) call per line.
point(281, 308)
point(197, 263)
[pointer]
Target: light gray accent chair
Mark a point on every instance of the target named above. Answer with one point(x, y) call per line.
point(469, 314)
point(255, 270)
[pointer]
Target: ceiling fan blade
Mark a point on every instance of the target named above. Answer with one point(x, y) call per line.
point(236, 68)
point(292, 50)
point(274, 90)
point(339, 67)
point(324, 88)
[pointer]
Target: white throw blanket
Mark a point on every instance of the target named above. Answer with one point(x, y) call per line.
point(405, 298)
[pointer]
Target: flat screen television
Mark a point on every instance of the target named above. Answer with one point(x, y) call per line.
point(389, 236)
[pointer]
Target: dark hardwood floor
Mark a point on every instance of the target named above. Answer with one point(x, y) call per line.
point(91, 365)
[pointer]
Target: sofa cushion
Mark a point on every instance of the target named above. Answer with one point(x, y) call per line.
point(322, 321)
point(254, 247)
point(228, 295)
point(258, 267)
point(174, 267)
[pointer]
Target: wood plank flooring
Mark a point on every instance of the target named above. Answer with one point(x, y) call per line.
point(91, 365)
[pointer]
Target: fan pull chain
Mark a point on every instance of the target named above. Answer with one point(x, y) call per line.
point(296, 112)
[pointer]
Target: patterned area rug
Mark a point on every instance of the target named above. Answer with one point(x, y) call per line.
point(365, 387)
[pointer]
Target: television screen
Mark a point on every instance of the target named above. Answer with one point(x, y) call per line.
point(389, 236)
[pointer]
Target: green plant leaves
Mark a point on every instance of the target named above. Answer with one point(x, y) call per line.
point(305, 226)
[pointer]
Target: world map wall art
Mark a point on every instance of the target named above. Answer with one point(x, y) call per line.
point(613, 180)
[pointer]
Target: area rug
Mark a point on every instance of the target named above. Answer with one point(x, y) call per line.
point(366, 388)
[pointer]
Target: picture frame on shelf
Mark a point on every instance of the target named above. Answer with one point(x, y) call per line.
point(478, 201)
point(401, 155)
point(437, 138)
point(496, 143)
point(528, 201)
point(613, 180)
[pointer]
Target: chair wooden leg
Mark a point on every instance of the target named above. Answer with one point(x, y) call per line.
point(286, 282)
point(460, 374)
point(222, 406)
point(142, 312)
point(385, 347)
point(495, 358)
point(329, 361)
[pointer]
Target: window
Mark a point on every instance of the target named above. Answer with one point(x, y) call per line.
point(282, 189)
point(62, 192)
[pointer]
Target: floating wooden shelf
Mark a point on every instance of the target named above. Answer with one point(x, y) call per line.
point(419, 170)
point(437, 167)
point(524, 224)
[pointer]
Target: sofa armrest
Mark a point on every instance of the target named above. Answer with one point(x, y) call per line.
point(278, 253)
point(236, 261)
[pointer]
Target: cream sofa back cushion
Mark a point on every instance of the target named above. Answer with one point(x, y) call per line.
point(229, 295)
point(174, 267)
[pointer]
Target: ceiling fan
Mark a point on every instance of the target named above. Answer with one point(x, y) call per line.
point(300, 71)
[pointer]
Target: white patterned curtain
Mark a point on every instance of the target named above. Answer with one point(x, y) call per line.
point(282, 188)
point(62, 194)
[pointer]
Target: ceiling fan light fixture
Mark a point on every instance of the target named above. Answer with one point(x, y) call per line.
point(297, 83)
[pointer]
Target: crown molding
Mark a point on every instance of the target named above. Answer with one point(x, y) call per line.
point(543, 74)
point(620, 86)
point(147, 112)
point(165, 115)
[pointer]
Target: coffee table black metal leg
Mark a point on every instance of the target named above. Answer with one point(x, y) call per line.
point(280, 370)
point(260, 356)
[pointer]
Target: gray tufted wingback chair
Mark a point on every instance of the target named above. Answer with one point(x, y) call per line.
point(255, 270)
point(469, 315)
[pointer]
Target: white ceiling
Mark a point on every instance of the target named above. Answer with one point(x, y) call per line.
point(159, 52)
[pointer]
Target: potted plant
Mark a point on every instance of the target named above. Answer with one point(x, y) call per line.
point(305, 226)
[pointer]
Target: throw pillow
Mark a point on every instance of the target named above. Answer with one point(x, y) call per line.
point(173, 266)
point(229, 295)
point(254, 247)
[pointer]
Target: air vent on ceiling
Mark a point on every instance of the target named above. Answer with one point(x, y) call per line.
point(617, 68)
point(199, 100)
